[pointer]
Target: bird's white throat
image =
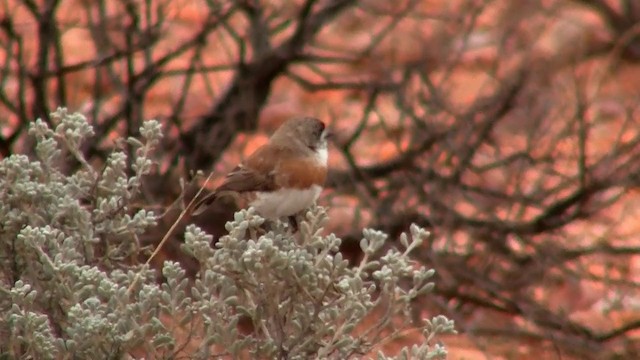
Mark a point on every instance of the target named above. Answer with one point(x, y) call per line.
point(322, 155)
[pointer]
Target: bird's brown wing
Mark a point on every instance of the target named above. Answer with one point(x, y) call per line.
point(243, 179)
point(255, 174)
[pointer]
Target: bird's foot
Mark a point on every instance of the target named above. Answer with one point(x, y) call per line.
point(293, 222)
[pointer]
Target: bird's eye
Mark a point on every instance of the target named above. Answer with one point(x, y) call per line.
point(319, 130)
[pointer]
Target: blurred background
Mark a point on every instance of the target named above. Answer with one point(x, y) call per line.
point(509, 129)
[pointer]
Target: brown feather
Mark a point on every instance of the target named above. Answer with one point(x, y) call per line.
point(272, 167)
point(300, 174)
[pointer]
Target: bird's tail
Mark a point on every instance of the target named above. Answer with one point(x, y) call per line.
point(204, 203)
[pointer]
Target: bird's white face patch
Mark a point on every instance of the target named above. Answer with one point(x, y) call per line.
point(285, 202)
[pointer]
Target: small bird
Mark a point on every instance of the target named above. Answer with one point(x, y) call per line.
point(282, 177)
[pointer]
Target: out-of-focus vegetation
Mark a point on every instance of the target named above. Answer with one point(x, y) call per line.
point(508, 128)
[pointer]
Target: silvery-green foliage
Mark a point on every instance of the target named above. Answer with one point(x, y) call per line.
point(66, 238)
point(70, 288)
point(301, 298)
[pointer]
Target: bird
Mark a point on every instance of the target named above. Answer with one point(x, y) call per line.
point(283, 177)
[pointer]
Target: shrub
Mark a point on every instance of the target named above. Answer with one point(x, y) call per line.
point(70, 286)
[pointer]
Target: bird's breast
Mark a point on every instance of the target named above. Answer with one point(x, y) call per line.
point(285, 202)
point(300, 173)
